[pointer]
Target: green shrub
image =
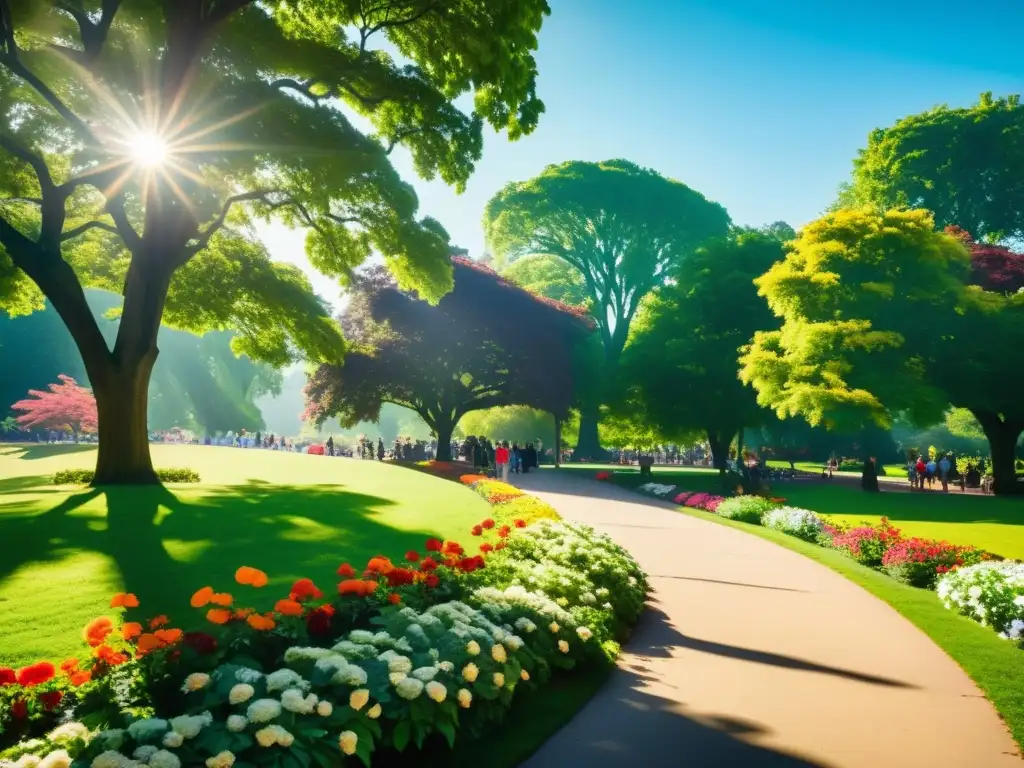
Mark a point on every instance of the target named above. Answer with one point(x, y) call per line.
point(85, 476)
point(746, 509)
point(854, 465)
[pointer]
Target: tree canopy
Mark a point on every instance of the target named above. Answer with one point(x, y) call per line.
point(964, 164)
point(487, 343)
point(548, 276)
point(879, 319)
point(64, 405)
point(680, 369)
point(139, 140)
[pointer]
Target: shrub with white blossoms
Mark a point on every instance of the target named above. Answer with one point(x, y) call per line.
point(746, 509)
point(801, 523)
point(656, 489)
point(991, 593)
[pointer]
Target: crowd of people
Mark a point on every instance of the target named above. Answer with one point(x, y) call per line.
point(500, 457)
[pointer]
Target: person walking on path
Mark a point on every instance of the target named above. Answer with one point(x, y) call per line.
point(501, 458)
point(944, 467)
point(330, 445)
point(933, 470)
point(922, 470)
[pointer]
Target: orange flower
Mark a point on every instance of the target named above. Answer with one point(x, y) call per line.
point(80, 678)
point(97, 630)
point(202, 597)
point(124, 600)
point(158, 621)
point(109, 656)
point(346, 571)
point(380, 565)
point(305, 589)
point(241, 613)
point(222, 598)
point(130, 630)
point(357, 587)
point(288, 608)
point(68, 666)
point(168, 636)
point(261, 623)
point(394, 598)
point(147, 643)
point(218, 615)
point(251, 576)
point(37, 673)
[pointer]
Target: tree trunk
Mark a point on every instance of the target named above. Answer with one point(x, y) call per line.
point(122, 400)
point(588, 446)
point(558, 442)
point(719, 450)
point(443, 432)
point(1002, 440)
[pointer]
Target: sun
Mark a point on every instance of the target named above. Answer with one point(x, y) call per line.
point(148, 149)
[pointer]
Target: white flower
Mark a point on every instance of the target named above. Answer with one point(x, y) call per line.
point(236, 723)
point(31, 761)
point(285, 678)
point(263, 710)
point(189, 726)
point(498, 653)
point(472, 647)
point(108, 759)
point(149, 730)
point(525, 625)
point(164, 759)
point(464, 697)
point(584, 633)
point(350, 674)
point(195, 682)
point(553, 626)
point(513, 643)
point(298, 653)
point(446, 666)
point(436, 691)
point(68, 732)
point(400, 664)
point(563, 646)
point(409, 688)
point(145, 752)
point(396, 677)
point(247, 675)
point(294, 701)
point(974, 592)
point(240, 693)
point(324, 709)
point(632, 581)
point(499, 679)
point(223, 759)
point(358, 698)
point(347, 742)
point(58, 759)
point(173, 739)
point(112, 739)
point(373, 712)
point(562, 601)
point(425, 674)
point(470, 672)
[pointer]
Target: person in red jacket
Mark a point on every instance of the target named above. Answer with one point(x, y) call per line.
point(501, 457)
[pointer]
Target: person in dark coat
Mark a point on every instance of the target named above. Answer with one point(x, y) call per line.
point(529, 457)
point(380, 449)
point(869, 477)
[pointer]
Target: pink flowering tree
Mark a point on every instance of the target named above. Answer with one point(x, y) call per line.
point(65, 406)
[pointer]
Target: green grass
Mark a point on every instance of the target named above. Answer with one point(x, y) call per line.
point(68, 549)
point(992, 523)
point(994, 664)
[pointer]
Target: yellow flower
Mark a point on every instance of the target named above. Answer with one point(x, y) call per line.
point(347, 741)
point(324, 709)
point(373, 712)
point(498, 653)
point(472, 647)
point(470, 672)
point(436, 691)
point(396, 677)
point(553, 626)
point(563, 646)
point(499, 679)
point(524, 675)
point(465, 698)
point(223, 759)
point(196, 681)
point(358, 698)
point(584, 633)
point(241, 692)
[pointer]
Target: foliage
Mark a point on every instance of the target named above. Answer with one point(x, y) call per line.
point(746, 509)
point(85, 476)
point(517, 423)
point(254, 109)
point(991, 593)
point(963, 164)
point(993, 267)
point(961, 423)
point(547, 276)
point(794, 521)
point(66, 406)
point(447, 360)
point(878, 319)
point(866, 544)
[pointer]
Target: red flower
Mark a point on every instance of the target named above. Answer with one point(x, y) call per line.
point(318, 622)
point(51, 699)
point(476, 530)
point(485, 548)
point(500, 545)
point(433, 545)
point(200, 642)
point(34, 674)
point(428, 564)
point(520, 523)
point(109, 656)
point(158, 621)
point(68, 666)
point(97, 630)
point(400, 577)
point(394, 599)
point(453, 548)
point(305, 589)
point(412, 556)
point(432, 580)
point(488, 523)
point(346, 571)
point(504, 531)
point(19, 709)
point(7, 676)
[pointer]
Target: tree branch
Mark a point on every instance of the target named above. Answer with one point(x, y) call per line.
point(115, 207)
point(13, 63)
point(24, 154)
point(81, 229)
point(217, 224)
point(224, 8)
point(399, 135)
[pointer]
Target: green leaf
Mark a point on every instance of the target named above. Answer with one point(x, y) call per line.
point(401, 734)
point(448, 730)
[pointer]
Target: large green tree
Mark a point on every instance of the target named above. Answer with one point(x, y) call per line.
point(681, 369)
point(962, 163)
point(878, 320)
point(138, 138)
point(621, 227)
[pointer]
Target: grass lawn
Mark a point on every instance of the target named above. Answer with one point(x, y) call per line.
point(994, 664)
point(992, 523)
point(68, 549)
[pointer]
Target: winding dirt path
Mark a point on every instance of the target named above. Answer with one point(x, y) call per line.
point(752, 655)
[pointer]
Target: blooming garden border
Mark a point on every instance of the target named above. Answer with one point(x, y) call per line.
point(407, 652)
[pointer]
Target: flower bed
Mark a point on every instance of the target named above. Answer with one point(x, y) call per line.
point(656, 489)
point(746, 509)
point(801, 523)
point(991, 593)
point(707, 501)
point(437, 644)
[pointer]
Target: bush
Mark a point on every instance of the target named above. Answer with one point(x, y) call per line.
point(919, 562)
point(991, 593)
point(855, 465)
point(746, 509)
point(801, 523)
point(85, 476)
point(865, 544)
point(699, 500)
point(656, 489)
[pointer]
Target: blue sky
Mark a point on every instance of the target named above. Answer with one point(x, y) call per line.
point(759, 104)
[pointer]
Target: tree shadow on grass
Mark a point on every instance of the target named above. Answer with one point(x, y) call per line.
point(26, 483)
point(43, 450)
point(166, 545)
